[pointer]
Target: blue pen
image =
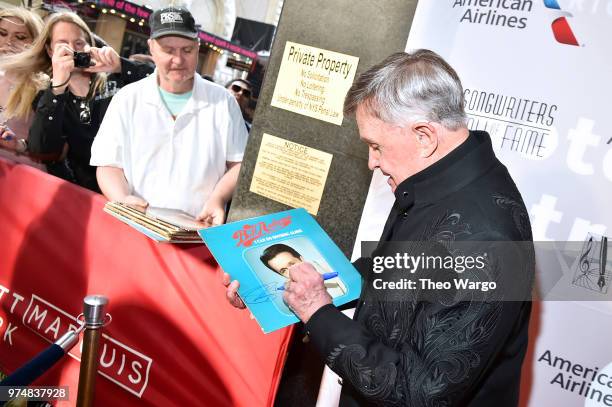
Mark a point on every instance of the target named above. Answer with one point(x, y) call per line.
point(4, 127)
point(326, 276)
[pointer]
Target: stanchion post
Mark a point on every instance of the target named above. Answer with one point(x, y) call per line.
point(94, 315)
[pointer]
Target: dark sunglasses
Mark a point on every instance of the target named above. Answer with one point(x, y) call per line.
point(239, 89)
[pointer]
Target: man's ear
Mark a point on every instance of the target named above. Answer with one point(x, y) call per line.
point(150, 44)
point(427, 138)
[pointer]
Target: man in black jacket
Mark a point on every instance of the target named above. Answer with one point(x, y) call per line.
point(424, 346)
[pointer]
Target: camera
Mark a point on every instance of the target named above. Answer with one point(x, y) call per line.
point(82, 59)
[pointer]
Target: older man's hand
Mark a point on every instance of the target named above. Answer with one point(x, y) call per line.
point(231, 292)
point(305, 292)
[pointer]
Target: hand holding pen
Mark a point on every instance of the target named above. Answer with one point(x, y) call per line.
point(5, 132)
point(8, 140)
point(326, 276)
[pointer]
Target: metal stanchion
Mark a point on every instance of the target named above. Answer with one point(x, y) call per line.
point(93, 314)
point(42, 362)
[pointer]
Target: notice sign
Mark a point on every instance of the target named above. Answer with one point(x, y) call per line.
point(314, 81)
point(290, 173)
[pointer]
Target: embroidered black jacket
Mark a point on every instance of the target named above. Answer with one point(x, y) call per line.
point(403, 350)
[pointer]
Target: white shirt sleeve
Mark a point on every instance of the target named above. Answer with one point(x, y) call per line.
point(107, 147)
point(237, 133)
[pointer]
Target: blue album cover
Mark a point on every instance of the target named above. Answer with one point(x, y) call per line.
point(258, 251)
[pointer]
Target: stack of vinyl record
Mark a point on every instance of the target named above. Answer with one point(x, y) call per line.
point(160, 224)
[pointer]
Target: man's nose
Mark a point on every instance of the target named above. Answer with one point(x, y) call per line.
point(177, 59)
point(372, 162)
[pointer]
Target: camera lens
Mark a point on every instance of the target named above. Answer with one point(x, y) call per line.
point(82, 59)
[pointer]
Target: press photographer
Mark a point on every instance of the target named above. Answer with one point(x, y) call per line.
point(63, 78)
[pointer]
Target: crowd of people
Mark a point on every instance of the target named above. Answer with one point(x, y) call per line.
point(63, 92)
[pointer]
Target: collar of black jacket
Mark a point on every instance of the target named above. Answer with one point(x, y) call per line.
point(464, 164)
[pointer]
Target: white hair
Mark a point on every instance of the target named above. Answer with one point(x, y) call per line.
point(408, 87)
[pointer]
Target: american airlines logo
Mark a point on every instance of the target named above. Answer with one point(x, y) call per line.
point(560, 26)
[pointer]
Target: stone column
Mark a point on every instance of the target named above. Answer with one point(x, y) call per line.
point(368, 30)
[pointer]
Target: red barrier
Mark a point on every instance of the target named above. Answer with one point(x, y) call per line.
point(173, 340)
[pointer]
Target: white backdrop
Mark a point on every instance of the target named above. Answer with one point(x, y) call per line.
point(546, 103)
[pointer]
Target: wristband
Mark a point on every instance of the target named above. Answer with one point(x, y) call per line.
point(62, 85)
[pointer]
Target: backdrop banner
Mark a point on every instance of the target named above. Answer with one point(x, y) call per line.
point(536, 77)
point(173, 340)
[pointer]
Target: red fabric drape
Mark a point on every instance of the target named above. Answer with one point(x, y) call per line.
point(173, 340)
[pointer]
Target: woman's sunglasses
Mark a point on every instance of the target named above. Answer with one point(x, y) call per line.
point(239, 89)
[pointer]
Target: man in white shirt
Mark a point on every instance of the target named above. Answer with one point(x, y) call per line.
point(172, 140)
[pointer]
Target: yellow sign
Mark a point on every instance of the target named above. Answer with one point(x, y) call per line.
point(290, 173)
point(314, 81)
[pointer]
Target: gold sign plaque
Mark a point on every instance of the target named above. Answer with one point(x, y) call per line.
point(290, 173)
point(314, 81)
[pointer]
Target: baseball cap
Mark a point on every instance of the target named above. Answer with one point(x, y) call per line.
point(172, 21)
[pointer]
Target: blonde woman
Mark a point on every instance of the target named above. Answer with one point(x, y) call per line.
point(18, 29)
point(62, 76)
